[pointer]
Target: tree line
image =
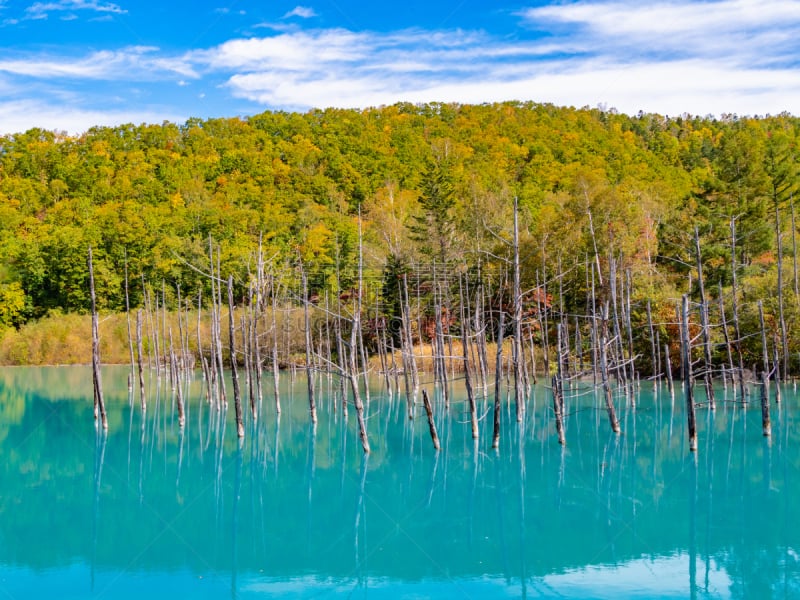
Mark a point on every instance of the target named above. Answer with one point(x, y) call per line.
point(667, 202)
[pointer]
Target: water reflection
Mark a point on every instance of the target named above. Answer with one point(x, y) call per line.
point(159, 509)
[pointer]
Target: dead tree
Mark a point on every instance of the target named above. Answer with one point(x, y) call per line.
point(312, 405)
point(608, 395)
point(431, 425)
point(237, 397)
point(688, 388)
point(99, 403)
point(704, 324)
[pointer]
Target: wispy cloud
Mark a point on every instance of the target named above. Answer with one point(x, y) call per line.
point(669, 57)
point(751, 30)
point(41, 10)
point(141, 62)
point(16, 116)
point(304, 12)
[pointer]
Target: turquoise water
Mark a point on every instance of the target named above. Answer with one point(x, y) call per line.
point(293, 512)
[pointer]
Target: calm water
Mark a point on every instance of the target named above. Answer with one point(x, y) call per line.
point(151, 512)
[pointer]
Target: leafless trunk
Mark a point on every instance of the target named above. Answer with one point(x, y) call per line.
point(275, 364)
point(99, 403)
point(734, 308)
point(609, 397)
point(668, 369)
point(128, 322)
point(312, 404)
point(142, 396)
point(177, 380)
point(704, 324)
point(498, 376)
point(688, 388)
point(558, 388)
point(473, 411)
point(519, 393)
point(353, 376)
point(431, 425)
point(237, 397)
point(766, 426)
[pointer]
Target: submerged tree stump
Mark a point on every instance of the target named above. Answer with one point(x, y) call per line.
point(431, 425)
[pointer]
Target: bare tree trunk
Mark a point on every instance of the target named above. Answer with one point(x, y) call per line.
point(312, 405)
point(726, 335)
point(237, 398)
point(498, 377)
point(276, 370)
point(653, 353)
point(473, 412)
point(766, 426)
point(99, 403)
point(177, 379)
point(431, 425)
point(704, 324)
point(688, 388)
point(519, 394)
point(128, 322)
point(609, 397)
point(668, 369)
point(764, 347)
point(142, 396)
point(735, 310)
point(794, 252)
point(352, 373)
point(558, 388)
point(781, 317)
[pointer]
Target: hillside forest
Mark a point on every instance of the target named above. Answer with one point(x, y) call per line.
point(652, 207)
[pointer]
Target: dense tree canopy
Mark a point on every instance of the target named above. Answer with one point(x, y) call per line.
point(431, 182)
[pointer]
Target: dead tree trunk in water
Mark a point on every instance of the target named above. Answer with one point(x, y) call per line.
point(498, 377)
point(764, 347)
point(519, 394)
point(142, 397)
point(688, 388)
point(276, 370)
point(177, 380)
point(609, 397)
point(735, 310)
point(558, 388)
point(128, 322)
point(99, 403)
point(653, 353)
point(312, 405)
point(668, 369)
point(766, 426)
point(473, 412)
point(237, 396)
point(431, 425)
point(781, 317)
point(726, 336)
point(704, 324)
point(353, 377)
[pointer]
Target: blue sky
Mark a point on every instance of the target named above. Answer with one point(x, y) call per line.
point(67, 65)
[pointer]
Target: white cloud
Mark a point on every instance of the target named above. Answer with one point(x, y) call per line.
point(133, 62)
point(23, 115)
point(288, 51)
point(40, 10)
point(748, 29)
point(304, 12)
point(668, 57)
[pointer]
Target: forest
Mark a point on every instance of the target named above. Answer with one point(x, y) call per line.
point(328, 204)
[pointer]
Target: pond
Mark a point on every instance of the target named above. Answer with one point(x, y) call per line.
point(150, 510)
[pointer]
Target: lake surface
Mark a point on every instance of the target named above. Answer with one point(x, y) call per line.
point(152, 511)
